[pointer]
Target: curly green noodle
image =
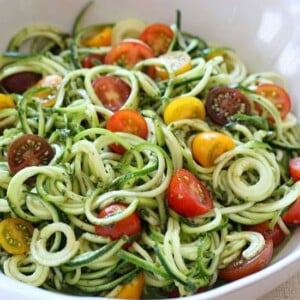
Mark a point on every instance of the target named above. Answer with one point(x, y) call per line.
point(249, 184)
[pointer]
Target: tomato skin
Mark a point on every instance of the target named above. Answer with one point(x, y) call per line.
point(277, 95)
point(15, 235)
point(128, 226)
point(92, 60)
point(292, 215)
point(209, 145)
point(158, 36)
point(224, 102)
point(294, 168)
point(112, 91)
point(6, 101)
point(240, 267)
point(18, 83)
point(28, 150)
point(129, 121)
point(184, 107)
point(129, 52)
point(132, 289)
point(275, 233)
point(101, 37)
point(187, 195)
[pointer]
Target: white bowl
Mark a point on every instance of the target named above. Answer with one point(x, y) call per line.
point(265, 34)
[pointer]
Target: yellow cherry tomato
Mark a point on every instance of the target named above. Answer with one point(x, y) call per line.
point(48, 96)
point(208, 146)
point(103, 37)
point(6, 101)
point(185, 107)
point(213, 52)
point(15, 235)
point(133, 289)
point(175, 62)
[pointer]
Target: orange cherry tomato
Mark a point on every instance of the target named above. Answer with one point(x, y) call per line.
point(133, 289)
point(48, 96)
point(6, 101)
point(128, 226)
point(241, 267)
point(112, 91)
point(184, 107)
point(187, 195)
point(275, 233)
point(129, 52)
point(15, 235)
point(129, 121)
point(292, 215)
point(277, 95)
point(100, 38)
point(158, 36)
point(294, 168)
point(209, 145)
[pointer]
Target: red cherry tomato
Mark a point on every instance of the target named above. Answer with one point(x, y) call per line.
point(294, 168)
point(187, 195)
point(112, 91)
point(158, 36)
point(18, 83)
point(277, 95)
point(241, 267)
point(292, 215)
point(223, 102)
point(28, 150)
point(92, 60)
point(129, 52)
point(127, 120)
point(275, 233)
point(128, 226)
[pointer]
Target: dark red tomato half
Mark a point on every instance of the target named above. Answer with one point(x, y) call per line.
point(28, 150)
point(112, 91)
point(158, 36)
point(18, 83)
point(275, 233)
point(128, 226)
point(92, 60)
point(129, 121)
point(277, 95)
point(292, 215)
point(294, 168)
point(241, 267)
point(187, 195)
point(223, 102)
point(128, 53)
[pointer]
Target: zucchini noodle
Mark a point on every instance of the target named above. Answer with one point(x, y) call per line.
point(249, 184)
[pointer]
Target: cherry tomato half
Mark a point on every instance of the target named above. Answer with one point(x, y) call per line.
point(292, 215)
point(241, 267)
point(129, 226)
point(129, 121)
point(112, 91)
point(207, 146)
point(277, 95)
point(129, 52)
point(294, 168)
point(224, 102)
point(132, 289)
point(187, 195)
point(15, 235)
point(158, 36)
point(92, 60)
point(28, 150)
point(275, 233)
point(18, 83)
point(6, 101)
